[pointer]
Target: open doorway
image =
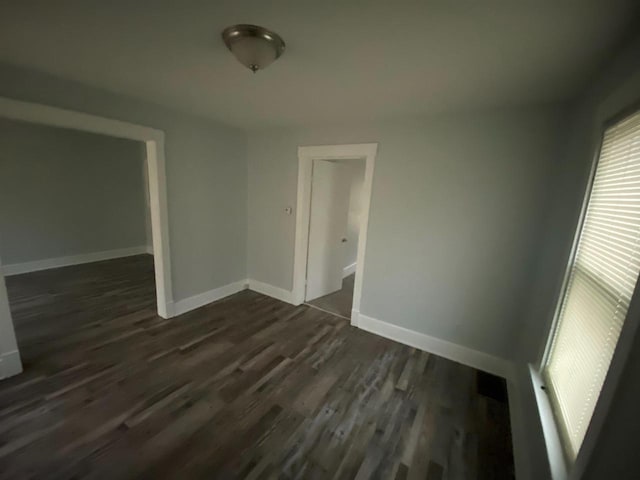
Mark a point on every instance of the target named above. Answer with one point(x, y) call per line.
point(149, 143)
point(75, 234)
point(331, 229)
point(334, 224)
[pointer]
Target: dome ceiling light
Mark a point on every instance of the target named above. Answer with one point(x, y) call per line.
point(255, 47)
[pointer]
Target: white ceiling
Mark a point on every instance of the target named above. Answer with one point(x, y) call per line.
point(344, 61)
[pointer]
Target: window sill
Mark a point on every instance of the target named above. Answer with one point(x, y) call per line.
point(555, 453)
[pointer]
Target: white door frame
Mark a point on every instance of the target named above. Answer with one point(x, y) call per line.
point(154, 141)
point(306, 156)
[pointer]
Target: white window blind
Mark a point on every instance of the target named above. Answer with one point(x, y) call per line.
point(601, 281)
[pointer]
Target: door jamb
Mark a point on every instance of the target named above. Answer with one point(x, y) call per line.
point(306, 156)
point(154, 142)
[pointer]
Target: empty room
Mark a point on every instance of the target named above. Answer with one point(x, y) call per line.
point(76, 234)
point(319, 240)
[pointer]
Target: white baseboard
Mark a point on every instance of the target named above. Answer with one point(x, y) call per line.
point(271, 291)
point(346, 271)
point(10, 364)
point(457, 353)
point(202, 299)
point(476, 359)
point(355, 317)
point(473, 358)
point(47, 263)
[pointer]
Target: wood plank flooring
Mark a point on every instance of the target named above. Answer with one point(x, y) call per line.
point(248, 387)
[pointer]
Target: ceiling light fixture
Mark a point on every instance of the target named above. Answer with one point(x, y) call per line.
point(255, 47)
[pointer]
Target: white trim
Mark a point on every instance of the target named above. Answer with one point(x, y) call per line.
point(197, 301)
point(10, 364)
point(154, 141)
point(553, 444)
point(306, 156)
point(348, 270)
point(536, 440)
point(457, 353)
point(527, 431)
point(271, 291)
point(47, 263)
point(160, 224)
point(355, 317)
point(60, 117)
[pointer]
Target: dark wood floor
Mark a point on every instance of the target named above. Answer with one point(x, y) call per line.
point(248, 387)
point(339, 302)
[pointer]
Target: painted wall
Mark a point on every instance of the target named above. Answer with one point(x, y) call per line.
point(356, 168)
point(454, 219)
point(65, 193)
point(206, 176)
point(614, 90)
point(148, 233)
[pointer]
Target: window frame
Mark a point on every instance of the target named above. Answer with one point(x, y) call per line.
point(631, 327)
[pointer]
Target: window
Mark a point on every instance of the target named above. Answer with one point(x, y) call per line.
point(601, 281)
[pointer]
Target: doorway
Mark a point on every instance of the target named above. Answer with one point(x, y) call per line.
point(153, 146)
point(77, 251)
point(334, 221)
point(326, 177)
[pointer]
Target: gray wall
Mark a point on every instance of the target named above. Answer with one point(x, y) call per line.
point(148, 232)
point(454, 221)
point(206, 176)
point(64, 192)
point(614, 90)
